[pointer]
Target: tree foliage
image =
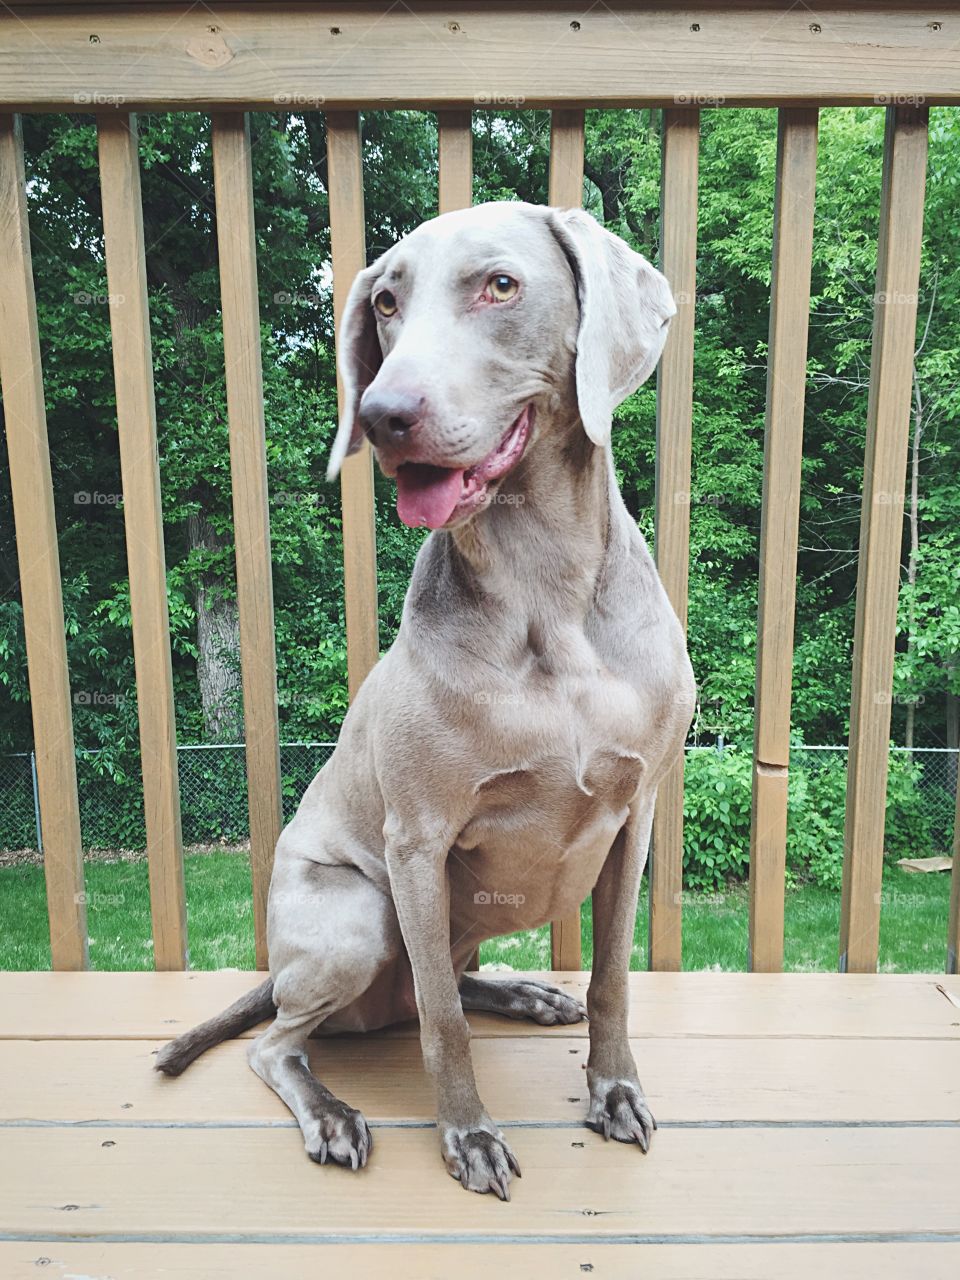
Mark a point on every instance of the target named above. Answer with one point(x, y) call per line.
point(738, 157)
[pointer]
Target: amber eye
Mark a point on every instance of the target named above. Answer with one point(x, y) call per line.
point(502, 288)
point(385, 303)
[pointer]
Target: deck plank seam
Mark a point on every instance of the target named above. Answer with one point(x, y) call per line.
point(575, 1125)
point(458, 1238)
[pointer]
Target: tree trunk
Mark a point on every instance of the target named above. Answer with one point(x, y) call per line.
point(218, 643)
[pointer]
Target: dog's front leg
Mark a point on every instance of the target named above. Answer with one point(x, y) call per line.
point(473, 1147)
point(618, 1108)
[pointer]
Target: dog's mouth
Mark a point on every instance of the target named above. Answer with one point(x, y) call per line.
point(438, 496)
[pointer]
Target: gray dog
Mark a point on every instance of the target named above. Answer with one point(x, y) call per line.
point(507, 749)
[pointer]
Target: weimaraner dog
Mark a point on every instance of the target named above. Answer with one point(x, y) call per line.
point(501, 760)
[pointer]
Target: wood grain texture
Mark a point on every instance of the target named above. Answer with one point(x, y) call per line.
point(779, 526)
point(479, 1261)
point(347, 239)
point(678, 262)
point(455, 152)
point(38, 559)
point(566, 191)
point(522, 1078)
point(154, 1006)
point(881, 530)
point(566, 159)
point(143, 523)
point(546, 54)
point(471, 1261)
point(808, 1182)
point(237, 247)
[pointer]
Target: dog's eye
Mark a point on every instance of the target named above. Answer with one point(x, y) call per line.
point(385, 303)
point(502, 288)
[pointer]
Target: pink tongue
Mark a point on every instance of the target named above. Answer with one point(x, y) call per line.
point(427, 495)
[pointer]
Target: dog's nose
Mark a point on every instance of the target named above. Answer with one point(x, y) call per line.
point(389, 417)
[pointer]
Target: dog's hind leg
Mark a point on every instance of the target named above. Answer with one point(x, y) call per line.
point(521, 998)
point(332, 932)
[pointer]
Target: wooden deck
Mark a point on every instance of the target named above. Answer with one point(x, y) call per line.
point(809, 1124)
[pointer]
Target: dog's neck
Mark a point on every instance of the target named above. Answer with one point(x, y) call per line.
point(544, 537)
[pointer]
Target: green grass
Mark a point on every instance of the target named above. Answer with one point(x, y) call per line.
point(220, 921)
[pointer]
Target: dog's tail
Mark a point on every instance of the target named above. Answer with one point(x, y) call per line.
point(243, 1014)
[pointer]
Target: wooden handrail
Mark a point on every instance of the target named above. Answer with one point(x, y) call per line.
point(381, 55)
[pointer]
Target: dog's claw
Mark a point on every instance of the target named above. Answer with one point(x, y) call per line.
point(479, 1159)
point(499, 1185)
point(340, 1136)
point(619, 1110)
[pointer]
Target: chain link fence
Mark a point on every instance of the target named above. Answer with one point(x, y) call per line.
point(213, 795)
point(921, 793)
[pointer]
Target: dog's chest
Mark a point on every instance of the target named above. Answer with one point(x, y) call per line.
point(571, 761)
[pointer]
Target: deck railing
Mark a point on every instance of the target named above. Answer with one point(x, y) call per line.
point(230, 58)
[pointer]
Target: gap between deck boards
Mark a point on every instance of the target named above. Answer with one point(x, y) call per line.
point(454, 1238)
point(30, 1123)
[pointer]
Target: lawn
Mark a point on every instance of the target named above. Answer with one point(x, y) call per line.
point(220, 916)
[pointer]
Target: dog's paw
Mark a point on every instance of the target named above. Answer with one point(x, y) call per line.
point(338, 1134)
point(619, 1110)
point(479, 1159)
point(540, 1002)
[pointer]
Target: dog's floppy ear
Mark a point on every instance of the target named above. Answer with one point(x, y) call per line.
point(625, 309)
point(358, 360)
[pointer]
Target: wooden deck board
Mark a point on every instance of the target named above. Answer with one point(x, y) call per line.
point(258, 1184)
point(120, 1006)
point(533, 1079)
point(809, 1123)
point(67, 1261)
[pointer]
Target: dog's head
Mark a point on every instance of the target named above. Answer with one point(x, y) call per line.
point(469, 333)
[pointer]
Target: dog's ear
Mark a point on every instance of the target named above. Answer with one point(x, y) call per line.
point(358, 360)
point(625, 309)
